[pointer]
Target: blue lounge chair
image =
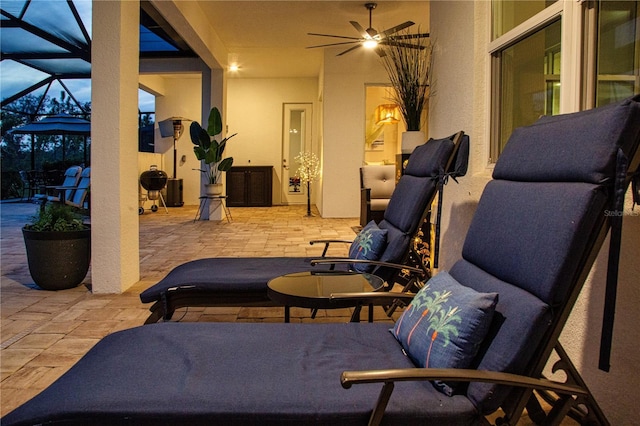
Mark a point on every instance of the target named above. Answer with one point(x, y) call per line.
point(243, 281)
point(537, 229)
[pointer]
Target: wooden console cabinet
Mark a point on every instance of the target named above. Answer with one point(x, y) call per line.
point(249, 186)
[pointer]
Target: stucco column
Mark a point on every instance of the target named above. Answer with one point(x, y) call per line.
point(114, 146)
point(212, 95)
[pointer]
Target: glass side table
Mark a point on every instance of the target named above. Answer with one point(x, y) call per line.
point(313, 289)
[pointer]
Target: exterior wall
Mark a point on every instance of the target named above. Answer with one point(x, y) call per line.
point(456, 103)
point(254, 111)
point(182, 98)
point(343, 131)
point(460, 101)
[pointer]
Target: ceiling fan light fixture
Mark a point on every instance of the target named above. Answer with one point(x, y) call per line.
point(370, 38)
point(370, 44)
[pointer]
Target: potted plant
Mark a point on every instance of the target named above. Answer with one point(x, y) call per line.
point(409, 71)
point(209, 150)
point(58, 246)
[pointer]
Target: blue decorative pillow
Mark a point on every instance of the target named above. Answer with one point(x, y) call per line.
point(368, 245)
point(445, 325)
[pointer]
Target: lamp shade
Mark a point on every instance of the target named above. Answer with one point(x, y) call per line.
point(387, 113)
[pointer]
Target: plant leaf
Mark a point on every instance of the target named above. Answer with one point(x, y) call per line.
point(215, 149)
point(200, 153)
point(215, 122)
point(225, 164)
point(205, 140)
point(194, 132)
point(211, 157)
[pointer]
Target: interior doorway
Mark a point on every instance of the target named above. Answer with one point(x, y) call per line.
point(296, 138)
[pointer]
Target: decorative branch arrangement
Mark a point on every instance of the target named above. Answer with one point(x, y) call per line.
point(307, 172)
point(409, 71)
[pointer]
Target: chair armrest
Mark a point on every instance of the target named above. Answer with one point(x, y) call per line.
point(411, 269)
point(389, 377)
point(312, 242)
point(349, 378)
point(327, 243)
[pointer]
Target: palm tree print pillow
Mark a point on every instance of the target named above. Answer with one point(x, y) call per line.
point(445, 325)
point(368, 245)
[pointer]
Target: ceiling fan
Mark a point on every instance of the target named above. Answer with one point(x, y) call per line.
point(372, 39)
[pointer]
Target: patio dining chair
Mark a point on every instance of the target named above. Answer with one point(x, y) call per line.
point(243, 281)
point(473, 340)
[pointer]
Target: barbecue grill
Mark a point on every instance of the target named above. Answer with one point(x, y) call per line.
point(153, 181)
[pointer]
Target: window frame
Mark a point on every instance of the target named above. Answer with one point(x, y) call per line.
point(570, 15)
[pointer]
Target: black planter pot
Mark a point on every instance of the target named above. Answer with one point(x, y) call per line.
point(58, 260)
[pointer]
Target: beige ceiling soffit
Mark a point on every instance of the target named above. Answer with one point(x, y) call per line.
point(188, 20)
point(153, 84)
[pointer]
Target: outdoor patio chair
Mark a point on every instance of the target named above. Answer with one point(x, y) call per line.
point(376, 186)
point(243, 281)
point(66, 189)
point(81, 192)
point(531, 243)
point(28, 185)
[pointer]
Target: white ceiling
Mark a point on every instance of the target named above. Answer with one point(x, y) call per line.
point(270, 38)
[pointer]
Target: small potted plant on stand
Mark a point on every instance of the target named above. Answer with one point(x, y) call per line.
point(58, 246)
point(209, 150)
point(409, 71)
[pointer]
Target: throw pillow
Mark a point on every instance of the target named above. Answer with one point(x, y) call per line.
point(368, 245)
point(445, 325)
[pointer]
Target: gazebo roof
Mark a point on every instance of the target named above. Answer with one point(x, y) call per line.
point(62, 124)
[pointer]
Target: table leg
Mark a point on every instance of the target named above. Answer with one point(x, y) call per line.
point(200, 208)
point(355, 317)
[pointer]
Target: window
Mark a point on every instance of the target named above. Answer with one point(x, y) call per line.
point(509, 14)
point(616, 50)
point(530, 43)
point(526, 82)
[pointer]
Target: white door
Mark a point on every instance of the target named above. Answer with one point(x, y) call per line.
point(296, 138)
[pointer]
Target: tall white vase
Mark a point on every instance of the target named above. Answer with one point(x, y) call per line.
point(412, 139)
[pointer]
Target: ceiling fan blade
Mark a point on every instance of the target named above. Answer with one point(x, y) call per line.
point(401, 44)
point(331, 44)
point(409, 36)
point(349, 50)
point(381, 53)
point(334, 36)
point(361, 30)
point(395, 29)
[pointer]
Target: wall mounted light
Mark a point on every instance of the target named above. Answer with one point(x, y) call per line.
point(387, 114)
